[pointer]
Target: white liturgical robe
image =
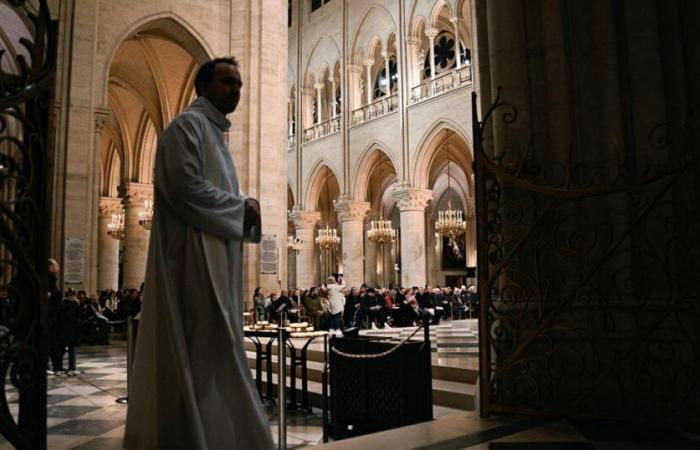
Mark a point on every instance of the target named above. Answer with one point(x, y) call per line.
point(191, 386)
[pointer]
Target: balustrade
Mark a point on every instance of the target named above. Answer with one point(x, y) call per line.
point(322, 129)
point(377, 108)
point(446, 82)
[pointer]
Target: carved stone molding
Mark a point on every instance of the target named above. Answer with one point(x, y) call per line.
point(134, 194)
point(109, 206)
point(351, 210)
point(431, 33)
point(304, 220)
point(410, 199)
point(101, 116)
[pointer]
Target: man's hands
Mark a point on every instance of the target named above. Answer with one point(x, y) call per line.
point(252, 208)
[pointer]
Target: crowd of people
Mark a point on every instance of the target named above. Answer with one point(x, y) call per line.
point(75, 319)
point(335, 305)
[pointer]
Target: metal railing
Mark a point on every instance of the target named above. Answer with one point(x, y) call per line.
point(322, 129)
point(443, 83)
point(377, 108)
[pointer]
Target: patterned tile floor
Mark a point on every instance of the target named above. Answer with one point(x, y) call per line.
point(82, 413)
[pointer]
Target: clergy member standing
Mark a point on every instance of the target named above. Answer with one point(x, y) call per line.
point(191, 387)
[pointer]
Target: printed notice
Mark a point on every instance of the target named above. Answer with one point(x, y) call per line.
point(74, 260)
point(268, 254)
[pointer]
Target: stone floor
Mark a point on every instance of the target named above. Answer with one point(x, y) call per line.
point(83, 413)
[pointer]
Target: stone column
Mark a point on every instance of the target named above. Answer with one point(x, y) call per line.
point(355, 94)
point(319, 102)
point(333, 103)
point(412, 203)
point(413, 60)
point(108, 247)
point(369, 62)
point(387, 72)
point(470, 235)
point(351, 215)
point(431, 33)
point(135, 236)
point(458, 54)
point(290, 116)
point(304, 223)
point(370, 258)
point(307, 108)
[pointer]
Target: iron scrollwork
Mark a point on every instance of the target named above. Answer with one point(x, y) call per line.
point(587, 278)
point(26, 93)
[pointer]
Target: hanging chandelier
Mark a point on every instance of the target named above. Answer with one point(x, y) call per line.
point(380, 231)
point(327, 238)
point(294, 244)
point(450, 222)
point(146, 215)
point(115, 227)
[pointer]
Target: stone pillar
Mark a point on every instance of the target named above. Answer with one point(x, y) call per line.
point(319, 102)
point(458, 54)
point(355, 94)
point(307, 108)
point(412, 203)
point(370, 258)
point(135, 236)
point(470, 235)
point(431, 33)
point(413, 61)
point(369, 62)
point(387, 72)
point(290, 116)
point(333, 102)
point(351, 215)
point(304, 223)
point(108, 247)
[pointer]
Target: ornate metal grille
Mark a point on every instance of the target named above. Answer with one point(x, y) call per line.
point(26, 93)
point(588, 279)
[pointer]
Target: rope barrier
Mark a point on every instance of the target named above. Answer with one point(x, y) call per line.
point(377, 355)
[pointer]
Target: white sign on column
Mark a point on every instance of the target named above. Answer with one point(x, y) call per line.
point(268, 254)
point(74, 260)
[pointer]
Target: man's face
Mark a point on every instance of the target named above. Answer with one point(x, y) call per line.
point(225, 88)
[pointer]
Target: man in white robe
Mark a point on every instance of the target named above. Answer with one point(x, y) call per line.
point(191, 386)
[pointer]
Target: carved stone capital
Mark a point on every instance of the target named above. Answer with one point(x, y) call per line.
point(304, 220)
point(431, 33)
point(101, 116)
point(386, 54)
point(368, 62)
point(109, 206)
point(410, 199)
point(351, 210)
point(319, 86)
point(135, 194)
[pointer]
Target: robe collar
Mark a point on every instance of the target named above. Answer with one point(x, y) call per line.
point(207, 108)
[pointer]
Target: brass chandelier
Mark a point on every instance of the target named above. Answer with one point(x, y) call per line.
point(450, 222)
point(115, 227)
point(380, 231)
point(146, 215)
point(327, 238)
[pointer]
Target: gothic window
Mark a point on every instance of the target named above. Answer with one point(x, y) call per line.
point(445, 54)
point(381, 84)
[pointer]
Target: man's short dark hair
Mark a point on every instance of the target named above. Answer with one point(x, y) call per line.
point(205, 73)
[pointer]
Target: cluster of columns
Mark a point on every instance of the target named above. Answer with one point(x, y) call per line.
point(136, 238)
point(358, 253)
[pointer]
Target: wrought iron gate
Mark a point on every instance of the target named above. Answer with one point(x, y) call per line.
point(26, 94)
point(587, 280)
